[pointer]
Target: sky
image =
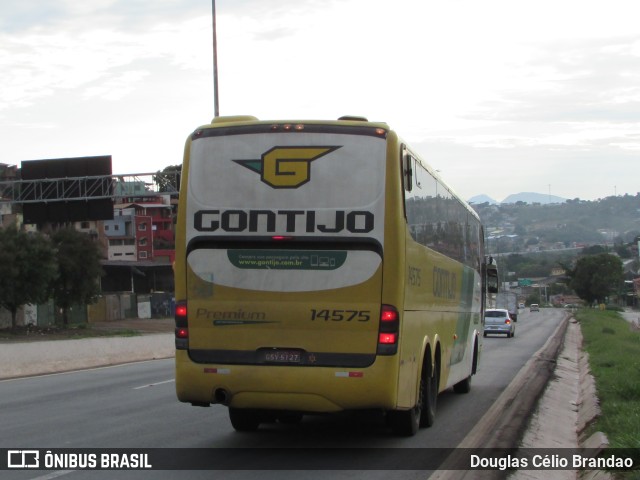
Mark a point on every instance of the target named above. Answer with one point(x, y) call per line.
point(500, 96)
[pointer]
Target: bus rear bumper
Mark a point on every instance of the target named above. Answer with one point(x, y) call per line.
point(304, 389)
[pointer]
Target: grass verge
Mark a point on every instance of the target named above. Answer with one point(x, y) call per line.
point(54, 332)
point(614, 358)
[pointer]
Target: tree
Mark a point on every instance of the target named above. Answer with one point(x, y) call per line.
point(623, 251)
point(595, 277)
point(594, 250)
point(169, 179)
point(27, 269)
point(78, 270)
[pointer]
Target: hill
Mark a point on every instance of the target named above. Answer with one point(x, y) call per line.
point(531, 197)
point(523, 227)
point(480, 199)
point(525, 197)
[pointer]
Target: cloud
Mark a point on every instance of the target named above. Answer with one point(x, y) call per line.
point(116, 87)
point(490, 92)
point(571, 81)
point(41, 62)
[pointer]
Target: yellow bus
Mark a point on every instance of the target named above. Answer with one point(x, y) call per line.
point(322, 266)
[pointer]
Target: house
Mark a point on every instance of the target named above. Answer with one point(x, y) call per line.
point(140, 250)
point(140, 231)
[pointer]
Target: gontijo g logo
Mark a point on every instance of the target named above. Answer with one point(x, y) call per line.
point(286, 167)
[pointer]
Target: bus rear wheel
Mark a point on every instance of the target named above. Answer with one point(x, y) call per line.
point(430, 398)
point(244, 420)
point(405, 423)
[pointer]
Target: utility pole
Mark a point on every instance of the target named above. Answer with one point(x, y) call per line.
point(216, 107)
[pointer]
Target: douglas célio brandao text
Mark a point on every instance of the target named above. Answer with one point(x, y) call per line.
point(549, 462)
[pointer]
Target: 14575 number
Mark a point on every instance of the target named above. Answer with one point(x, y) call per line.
point(341, 315)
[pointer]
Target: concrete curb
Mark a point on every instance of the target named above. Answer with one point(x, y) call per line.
point(588, 411)
point(553, 423)
point(505, 422)
point(589, 407)
point(55, 356)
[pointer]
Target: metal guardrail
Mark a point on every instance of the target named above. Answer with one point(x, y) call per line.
point(89, 188)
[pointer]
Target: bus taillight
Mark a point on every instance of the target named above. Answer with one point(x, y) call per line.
point(181, 310)
point(389, 328)
point(182, 326)
point(182, 333)
point(388, 314)
point(387, 338)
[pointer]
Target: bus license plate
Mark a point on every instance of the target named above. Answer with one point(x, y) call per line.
point(282, 356)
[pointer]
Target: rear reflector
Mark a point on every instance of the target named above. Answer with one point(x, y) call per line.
point(221, 371)
point(350, 374)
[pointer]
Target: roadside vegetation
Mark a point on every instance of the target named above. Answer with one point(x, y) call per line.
point(34, 267)
point(32, 333)
point(613, 346)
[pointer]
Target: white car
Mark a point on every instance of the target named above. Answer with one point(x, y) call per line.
point(498, 320)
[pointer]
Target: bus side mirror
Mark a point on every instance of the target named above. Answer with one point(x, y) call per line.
point(407, 171)
point(492, 279)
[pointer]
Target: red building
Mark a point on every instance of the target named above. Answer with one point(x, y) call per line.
point(141, 231)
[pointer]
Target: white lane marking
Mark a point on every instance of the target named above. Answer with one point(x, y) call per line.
point(51, 475)
point(79, 370)
point(154, 384)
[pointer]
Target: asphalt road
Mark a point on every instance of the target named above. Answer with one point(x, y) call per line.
point(134, 406)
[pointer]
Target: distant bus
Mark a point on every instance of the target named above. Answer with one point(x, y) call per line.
point(322, 266)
